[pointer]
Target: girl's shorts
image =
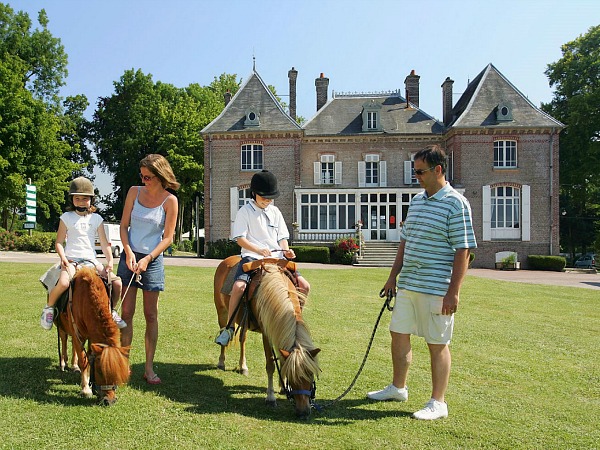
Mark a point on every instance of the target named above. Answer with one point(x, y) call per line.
point(421, 315)
point(153, 279)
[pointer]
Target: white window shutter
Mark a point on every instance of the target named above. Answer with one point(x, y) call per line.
point(338, 172)
point(362, 173)
point(233, 203)
point(487, 213)
point(317, 173)
point(383, 173)
point(408, 172)
point(526, 213)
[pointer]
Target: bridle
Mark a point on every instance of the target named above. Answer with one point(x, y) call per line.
point(91, 356)
point(289, 392)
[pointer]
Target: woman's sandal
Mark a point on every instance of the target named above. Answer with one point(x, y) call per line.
point(152, 380)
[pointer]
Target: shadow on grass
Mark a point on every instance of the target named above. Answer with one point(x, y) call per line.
point(40, 380)
point(201, 386)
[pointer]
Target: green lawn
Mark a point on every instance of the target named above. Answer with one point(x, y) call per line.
point(525, 373)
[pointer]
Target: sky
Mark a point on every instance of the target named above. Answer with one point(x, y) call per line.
point(360, 45)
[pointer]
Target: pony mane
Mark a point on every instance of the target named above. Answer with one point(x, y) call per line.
point(97, 304)
point(277, 315)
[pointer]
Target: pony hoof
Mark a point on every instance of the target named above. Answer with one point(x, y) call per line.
point(244, 372)
point(221, 366)
point(271, 403)
point(75, 369)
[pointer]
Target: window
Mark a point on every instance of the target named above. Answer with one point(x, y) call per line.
point(252, 157)
point(238, 197)
point(244, 196)
point(505, 154)
point(506, 212)
point(328, 170)
point(371, 117)
point(371, 120)
point(505, 207)
point(327, 211)
point(372, 172)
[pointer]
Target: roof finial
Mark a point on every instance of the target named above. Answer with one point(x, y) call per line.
point(253, 62)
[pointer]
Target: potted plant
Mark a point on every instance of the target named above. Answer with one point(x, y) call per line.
point(510, 262)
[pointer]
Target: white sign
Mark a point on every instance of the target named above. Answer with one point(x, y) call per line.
point(31, 202)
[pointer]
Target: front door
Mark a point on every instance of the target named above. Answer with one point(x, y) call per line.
point(378, 215)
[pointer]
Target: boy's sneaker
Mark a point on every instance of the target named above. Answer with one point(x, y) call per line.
point(47, 317)
point(224, 337)
point(390, 392)
point(432, 410)
point(117, 318)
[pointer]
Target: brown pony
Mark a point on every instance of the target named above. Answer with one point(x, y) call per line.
point(275, 307)
point(88, 318)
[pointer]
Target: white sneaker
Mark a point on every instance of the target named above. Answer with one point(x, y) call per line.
point(47, 317)
point(117, 318)
point(432, 410)
point(390, 392)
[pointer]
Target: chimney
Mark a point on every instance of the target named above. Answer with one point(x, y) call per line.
point(227, 97)
point(293, 75)
point(412, 88)
point(447, 100)
point(322, 85)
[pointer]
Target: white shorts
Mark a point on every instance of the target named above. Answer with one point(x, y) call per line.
point(421, 315)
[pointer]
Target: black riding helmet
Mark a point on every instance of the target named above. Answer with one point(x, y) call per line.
point(264, 184)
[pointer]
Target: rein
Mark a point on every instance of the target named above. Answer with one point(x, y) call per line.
point(386, 305)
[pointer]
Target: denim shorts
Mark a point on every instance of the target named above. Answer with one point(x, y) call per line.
point(153, 279)
point(240, 274)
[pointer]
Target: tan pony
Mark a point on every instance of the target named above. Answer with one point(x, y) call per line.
point(88, 319)
point(276, 313)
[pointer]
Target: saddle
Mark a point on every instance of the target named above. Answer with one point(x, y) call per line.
point(255, 268)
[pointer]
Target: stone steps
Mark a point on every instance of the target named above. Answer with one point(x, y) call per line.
point(378, 254)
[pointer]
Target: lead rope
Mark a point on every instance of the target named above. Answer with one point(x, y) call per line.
point(138, 279)
point(386, 305)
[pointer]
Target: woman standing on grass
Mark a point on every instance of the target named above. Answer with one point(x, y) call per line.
point(147, 228)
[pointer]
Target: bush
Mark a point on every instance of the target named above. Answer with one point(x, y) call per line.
point(37, 242)
point(311, 254)
point(343, 249)
point(543, 262)
point(8, 240)
point(186, 246)
point(221, 249)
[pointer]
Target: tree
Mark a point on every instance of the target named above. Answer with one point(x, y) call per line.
point(30, 127)
point(144, 117)
point(44, 57)
point(576, 100)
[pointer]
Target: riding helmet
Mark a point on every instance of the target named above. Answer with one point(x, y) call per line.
point(264, 184)
point(81, 186)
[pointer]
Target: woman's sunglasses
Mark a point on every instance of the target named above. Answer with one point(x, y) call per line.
point(146, 177)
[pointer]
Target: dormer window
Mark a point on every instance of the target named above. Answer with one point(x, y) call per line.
point(504, 112)
point(252, 118)
point(371, 116)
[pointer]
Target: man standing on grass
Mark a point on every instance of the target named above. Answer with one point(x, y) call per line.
point(432, 260)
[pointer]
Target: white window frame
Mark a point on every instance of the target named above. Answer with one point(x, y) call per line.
point(372, 118)
point(327, 171)
point(376, 166)
point(505, 154)
point(252, 150)
point(490, 230)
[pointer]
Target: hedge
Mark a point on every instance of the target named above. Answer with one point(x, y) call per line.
point(544, 262)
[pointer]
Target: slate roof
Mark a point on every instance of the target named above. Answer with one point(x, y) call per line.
point(477, 106)
point(342, 116)
point(254, 94)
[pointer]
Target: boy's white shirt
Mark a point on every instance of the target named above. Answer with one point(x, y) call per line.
point(264, 228)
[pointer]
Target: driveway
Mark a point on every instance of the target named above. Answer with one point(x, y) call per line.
point(570, 278)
